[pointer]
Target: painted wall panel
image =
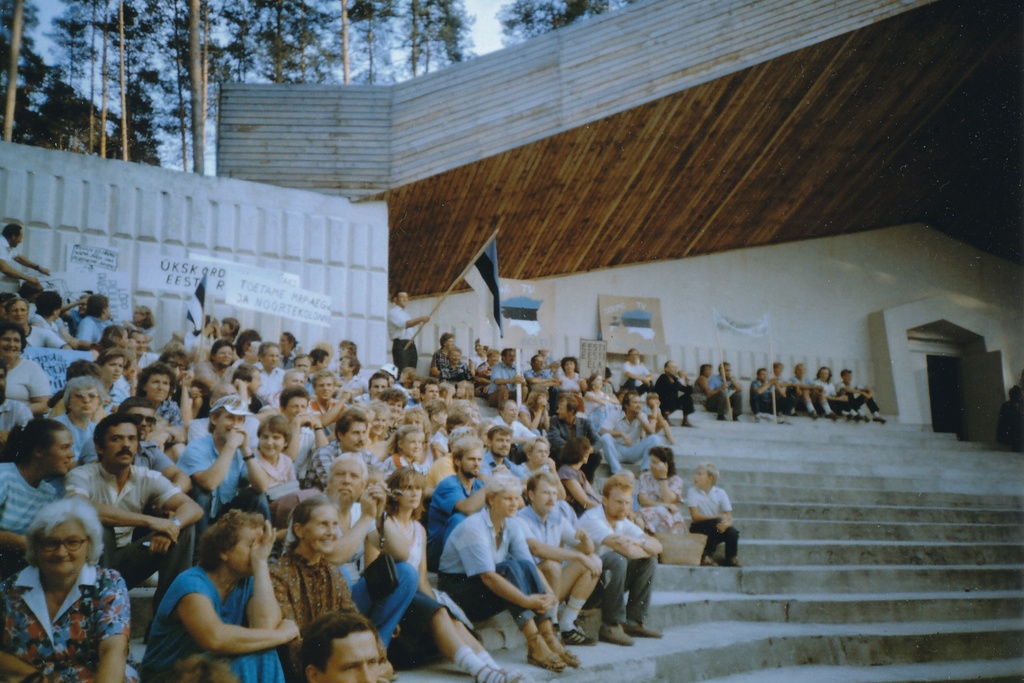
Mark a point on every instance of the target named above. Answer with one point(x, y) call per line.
point(149, 214)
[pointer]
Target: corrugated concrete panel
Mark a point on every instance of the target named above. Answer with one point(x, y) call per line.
point(151, 214)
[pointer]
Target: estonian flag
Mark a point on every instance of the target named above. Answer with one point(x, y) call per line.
point(196, 307)
point(482, 276)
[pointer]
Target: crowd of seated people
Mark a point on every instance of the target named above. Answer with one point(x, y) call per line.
point(260, 483)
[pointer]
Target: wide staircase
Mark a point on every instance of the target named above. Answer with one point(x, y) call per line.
point(870, 553)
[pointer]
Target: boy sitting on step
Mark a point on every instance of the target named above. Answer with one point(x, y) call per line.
point(711, 514)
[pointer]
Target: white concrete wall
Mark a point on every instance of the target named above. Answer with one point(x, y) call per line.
point(820, 294)
point(336, 247)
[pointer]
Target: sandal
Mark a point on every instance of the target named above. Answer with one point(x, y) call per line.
point(555, 645)
point(538, 654)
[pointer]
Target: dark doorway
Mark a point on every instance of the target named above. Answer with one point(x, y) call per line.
point(945, 393)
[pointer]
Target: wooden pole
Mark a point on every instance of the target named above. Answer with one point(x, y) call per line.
point(17, 25)
point(721, 371)
point(771, 355)
point(448, 291)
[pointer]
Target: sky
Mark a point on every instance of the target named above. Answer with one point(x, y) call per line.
point(486, 32)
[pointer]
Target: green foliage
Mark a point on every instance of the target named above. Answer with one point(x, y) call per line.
point(523, 19)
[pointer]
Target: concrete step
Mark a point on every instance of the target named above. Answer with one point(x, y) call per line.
point(823, 431)
point(881, 513)
point(782, 529)
point(1007, 497)
point(897, 479)
point(669, 609)
point(764, 553)
point(989, 671)
point(708, 651)
point(839, 579)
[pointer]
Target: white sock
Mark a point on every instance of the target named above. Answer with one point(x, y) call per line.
point(810, 407)
point(572, 610)
point(487, 659)
point(467, 660)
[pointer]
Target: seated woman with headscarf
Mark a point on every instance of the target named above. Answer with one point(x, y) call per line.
point(63, 618)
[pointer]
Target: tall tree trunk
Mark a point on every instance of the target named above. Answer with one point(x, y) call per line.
point(124, 94)
point(92, 81)
point(344, 40)
point(206, 65)
point(195, 69)
point(178, 67)
point(12, 69)
point(279, 43)
point(414, 37)
point(302, 40)
point(103, 75)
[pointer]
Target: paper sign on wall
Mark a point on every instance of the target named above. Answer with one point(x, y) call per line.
point(631, 323)
point(86, 258)
point(276, 298)
point(528, 314)
point(73, 286)
point(181, 274)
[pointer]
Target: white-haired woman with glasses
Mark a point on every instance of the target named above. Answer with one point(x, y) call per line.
point(63, 618)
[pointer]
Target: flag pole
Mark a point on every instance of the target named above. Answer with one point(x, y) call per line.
point(472, 262)
point(771, 355)
point(519, 387)
point(721, 370)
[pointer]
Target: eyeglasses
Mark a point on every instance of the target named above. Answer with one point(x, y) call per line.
point(147, 419)
point(51, 545)
point(91, 396)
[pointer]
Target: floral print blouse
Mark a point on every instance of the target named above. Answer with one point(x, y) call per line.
point(69, 650)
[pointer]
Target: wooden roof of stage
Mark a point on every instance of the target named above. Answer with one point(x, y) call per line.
point(916, 118)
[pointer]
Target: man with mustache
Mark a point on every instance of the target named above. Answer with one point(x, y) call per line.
point(147, 520)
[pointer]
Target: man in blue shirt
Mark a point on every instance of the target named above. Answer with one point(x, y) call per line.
point(457, 496)
point(222, 463)
point(503, 379)
point(496, 458)
point(725, 393)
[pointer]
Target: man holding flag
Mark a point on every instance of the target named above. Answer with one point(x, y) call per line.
point(400, 324)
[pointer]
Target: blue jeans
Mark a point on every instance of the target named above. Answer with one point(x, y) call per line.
point(617, 453)
point(387, 612)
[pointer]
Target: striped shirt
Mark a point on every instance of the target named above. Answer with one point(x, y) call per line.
point(20, 502)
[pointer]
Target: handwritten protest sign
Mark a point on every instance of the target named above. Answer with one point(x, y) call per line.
point(528, 312)
point(72, 286)
point(180, 275)
point(253, 272)
point(85, 258)
point(593, 357)
point(277, 298)
point(55, 363)
point(631, 322)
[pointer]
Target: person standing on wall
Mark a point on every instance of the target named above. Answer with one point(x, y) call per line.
point(400, 330)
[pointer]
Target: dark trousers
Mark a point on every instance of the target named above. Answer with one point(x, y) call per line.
point(683, 402)
point(477, 600)
point(619, 577)
point(403, 357)
point(136, 563)
point(718, 404)
point(730, 536)
point(857, 401)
